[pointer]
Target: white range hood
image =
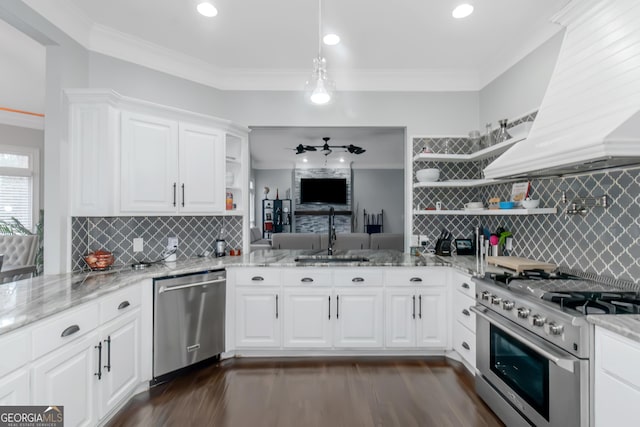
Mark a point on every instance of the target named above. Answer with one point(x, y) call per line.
point(590, 115)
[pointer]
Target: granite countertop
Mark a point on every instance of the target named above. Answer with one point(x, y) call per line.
point(627, 325)
point(27, 301)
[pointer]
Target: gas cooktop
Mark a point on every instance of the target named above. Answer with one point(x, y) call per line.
point(570, 292)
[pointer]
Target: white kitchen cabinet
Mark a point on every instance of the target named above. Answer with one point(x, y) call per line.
point(416, 317)
point(14, 388)
point(258, 317)
point(432, 318)
point(464, 320)
point(149, 164)
point(359, 318)
point(121, 359)
point(400, 322)
point(68, 377)
point(170, 167)
point(617, 379)
point(202, 165)
point(308, 317)
point(94, 131)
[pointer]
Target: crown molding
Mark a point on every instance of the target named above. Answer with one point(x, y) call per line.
point(21, 120)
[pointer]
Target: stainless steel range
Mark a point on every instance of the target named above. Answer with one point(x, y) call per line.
point(534, 344)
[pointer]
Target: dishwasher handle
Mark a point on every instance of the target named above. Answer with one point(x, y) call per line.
point(164, 289)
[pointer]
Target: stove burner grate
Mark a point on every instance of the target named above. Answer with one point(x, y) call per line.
point(596, 302)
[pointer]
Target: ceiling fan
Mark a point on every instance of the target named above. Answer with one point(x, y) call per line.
point(326, 149)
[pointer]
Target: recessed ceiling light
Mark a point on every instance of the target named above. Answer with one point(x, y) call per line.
point(331, 39)
point(341, 159)
point(462, 11)
point(305, 160)
point(207, 9)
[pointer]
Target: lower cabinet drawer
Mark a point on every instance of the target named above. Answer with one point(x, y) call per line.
point(121, 302)
point(464, 342)
point(58, 330)
point(367, 276)
point(420, 276)
point(307, 276)
point(461, 312)
point(257, 276)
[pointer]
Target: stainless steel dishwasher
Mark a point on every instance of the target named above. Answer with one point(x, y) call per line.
point(188, 320)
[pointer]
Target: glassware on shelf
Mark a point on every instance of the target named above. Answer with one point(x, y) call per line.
point(475, 138)
point(503, 135)
point(488, 136)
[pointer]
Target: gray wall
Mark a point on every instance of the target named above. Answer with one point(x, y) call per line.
point(520, 89)
point(24, 137)
point(376, 189)
point(373, 189)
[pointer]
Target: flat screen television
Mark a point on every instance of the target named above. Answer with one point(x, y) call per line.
point(323, 190)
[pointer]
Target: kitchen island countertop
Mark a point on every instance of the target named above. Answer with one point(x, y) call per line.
point(27, 301)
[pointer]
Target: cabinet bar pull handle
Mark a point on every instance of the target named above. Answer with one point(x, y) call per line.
point(466, 312)
point(357, 279)
point(465, 345)
point(415, 279)
point(337, 306)
point(414, 307)
point(420, 306)
point(174, 194)
point(108, 365)
point(465, 286)
point(183, 195)
point(257, 278)
point(70, 330)
point(276, 306)
point(123, 305)
point(99, 373)
point(306, 280)
point(329, 307)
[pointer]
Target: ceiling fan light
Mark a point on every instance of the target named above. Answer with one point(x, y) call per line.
point(207, 9)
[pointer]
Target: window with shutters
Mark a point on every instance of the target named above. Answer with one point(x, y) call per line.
point(19, 184)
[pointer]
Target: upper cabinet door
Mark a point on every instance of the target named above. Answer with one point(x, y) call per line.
point(202, 166)
point(149, 165)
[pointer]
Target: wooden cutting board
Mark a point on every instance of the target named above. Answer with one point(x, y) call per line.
point(520, 264)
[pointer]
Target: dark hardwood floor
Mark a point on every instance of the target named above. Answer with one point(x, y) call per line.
point(314, 392)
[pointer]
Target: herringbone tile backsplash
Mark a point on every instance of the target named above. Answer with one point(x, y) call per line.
point(196, 234)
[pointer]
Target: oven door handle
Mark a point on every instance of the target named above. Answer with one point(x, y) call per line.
point(552, 355)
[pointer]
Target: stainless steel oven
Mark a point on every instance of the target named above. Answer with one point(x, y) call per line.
point(526, 380)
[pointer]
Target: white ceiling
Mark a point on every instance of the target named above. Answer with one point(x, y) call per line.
point(272, 147)
point(257, 44)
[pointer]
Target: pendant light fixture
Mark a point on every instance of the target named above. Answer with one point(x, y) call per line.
point(319, 87)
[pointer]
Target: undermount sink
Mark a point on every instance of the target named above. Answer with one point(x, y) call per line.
point(329, 259)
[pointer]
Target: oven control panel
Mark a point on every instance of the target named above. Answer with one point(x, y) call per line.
point(534, 315)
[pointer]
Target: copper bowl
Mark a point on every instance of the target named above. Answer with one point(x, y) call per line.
point(99, 260)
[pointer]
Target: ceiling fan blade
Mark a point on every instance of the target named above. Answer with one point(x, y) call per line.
point(310, 148)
